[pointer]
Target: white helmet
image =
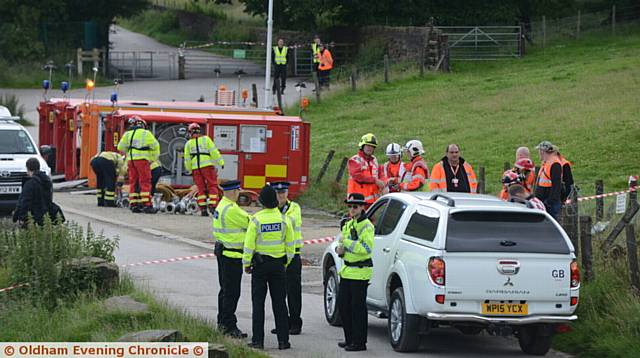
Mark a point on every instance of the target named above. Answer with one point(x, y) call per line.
point(414, 147)
point(393, 149)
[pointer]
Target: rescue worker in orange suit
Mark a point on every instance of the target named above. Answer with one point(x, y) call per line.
point(110, 169)
point(280, 58)
point(523, 153)
point(523, 170)
point(325, 66)
point(364, 175)
point(453, 174)
point(393, 169)
point(416, 171)
point(549, 182)
point(139, 144)
point(567, 178)
point(200, 158)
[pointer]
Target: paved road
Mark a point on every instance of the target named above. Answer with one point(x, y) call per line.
point(193, 285)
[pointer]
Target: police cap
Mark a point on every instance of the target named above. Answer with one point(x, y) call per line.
point(230, 185)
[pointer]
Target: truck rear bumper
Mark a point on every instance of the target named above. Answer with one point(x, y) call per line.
point(506, 320)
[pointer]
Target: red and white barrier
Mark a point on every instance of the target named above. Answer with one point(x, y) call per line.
point(615, 193)
point(13, 287)
point(320, 241)
point(171, 260)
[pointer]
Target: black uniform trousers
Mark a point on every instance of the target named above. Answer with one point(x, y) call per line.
point(294, 292)
point(229, 278)
point(352, 303)
point(279, 74)
point(106, 179)
point(271, 272)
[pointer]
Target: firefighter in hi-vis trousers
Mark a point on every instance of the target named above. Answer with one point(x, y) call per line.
point(200, 156)
point(229, 227)
point(294, 270)
point(139, 144)
point(110, 168)
point(268, 250)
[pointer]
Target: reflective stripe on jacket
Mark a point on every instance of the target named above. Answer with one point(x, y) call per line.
point(357, 249)
point(438, 180)
point(118, 161)
point(363, 174)
point(138, 144)
point(415, 176)
point(269, 233)
point(209, 154)
point(280, 57)
point(295, 214)
point(544, 175)
point(230, 224)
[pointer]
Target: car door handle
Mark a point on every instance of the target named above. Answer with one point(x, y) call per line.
point(386, 249)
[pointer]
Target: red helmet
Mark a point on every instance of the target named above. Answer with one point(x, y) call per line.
point(524, 163)
point(510, 177)
point(194, 127)
point(141, 122)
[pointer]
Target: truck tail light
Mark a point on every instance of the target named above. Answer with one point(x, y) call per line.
point(440, 299)
point(575, 274)
point(574, 300)
point(436, 269)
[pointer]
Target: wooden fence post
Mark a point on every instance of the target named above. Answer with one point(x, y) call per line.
point(624, 221)
point(578, 26)
point(386, 68)
point(613, 20)
point(314, 74)
point(421, 64)
point(632, 256)
point(343, 166)
point(569, 221)
point(633, 193)
point(587, 250)
point(599, 201)
point(325, 165)
point(181, 67)
point(354, 73)
point(544, 31)
point(254, 95)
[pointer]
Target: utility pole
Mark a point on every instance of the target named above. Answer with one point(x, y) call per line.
point(267, 74)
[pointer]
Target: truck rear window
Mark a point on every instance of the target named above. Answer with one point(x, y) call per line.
point(483, 231)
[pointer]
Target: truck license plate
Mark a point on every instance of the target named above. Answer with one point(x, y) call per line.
point(514, 309)
point(10, 189)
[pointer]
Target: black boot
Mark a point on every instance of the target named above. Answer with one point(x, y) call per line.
point(203, 211)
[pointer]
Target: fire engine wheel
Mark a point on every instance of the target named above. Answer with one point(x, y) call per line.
point(535, 339)
point(402, 327)
point(331, 312)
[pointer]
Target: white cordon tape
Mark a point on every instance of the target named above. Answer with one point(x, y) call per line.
point(167, 261)
point(209, 44)
point(320, 241)
point(13, 287)
point(615, 193)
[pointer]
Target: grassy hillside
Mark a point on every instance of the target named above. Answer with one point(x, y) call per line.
point(583, 96)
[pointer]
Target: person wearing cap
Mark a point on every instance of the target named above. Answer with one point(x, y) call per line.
point(200, 158)
point(229, 228)
point(269, 247)
point(294, 270)
point(522, 173)
point(110, 169)
point(355, 248)
point(549, 181)
point(139, 145)
point(365, 176)
point(446, 175)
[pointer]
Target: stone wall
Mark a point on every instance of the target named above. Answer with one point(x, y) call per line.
point(400, 42)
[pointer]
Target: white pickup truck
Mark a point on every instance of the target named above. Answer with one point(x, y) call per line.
point(472, 262)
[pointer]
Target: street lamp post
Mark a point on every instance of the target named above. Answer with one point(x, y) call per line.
point(267, 75)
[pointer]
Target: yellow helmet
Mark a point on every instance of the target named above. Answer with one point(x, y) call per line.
point(368, 139)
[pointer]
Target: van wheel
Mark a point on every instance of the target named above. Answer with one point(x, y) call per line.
point(331, 284)
point(402, 327)
point(535, 339)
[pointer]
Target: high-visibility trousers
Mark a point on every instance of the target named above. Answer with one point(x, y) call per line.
point(139, 182)
point(207, 181)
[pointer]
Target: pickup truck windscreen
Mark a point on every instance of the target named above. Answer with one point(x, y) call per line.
point(484, 231)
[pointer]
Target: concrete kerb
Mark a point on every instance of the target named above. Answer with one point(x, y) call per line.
point(163, 234)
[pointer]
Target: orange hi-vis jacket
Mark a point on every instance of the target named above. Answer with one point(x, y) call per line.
point(416, 175)
point(363, 173)
point(544, 175)
point(438, 180)
point(528, 184)
point(393, 172)
point(326, 60)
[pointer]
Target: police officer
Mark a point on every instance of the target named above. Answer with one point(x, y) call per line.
point(229, 227)
point(109, 167)
point(268, 249)
point(355, 249)
point(294, 270)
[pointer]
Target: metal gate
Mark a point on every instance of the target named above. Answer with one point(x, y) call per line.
point(484, 42)
point(137, 65)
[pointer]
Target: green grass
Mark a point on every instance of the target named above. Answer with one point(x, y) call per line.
point(582, 96)
point(31, 75)
point(85, 320)
point(608, 316)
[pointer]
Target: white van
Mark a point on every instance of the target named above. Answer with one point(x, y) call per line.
point(16, 147)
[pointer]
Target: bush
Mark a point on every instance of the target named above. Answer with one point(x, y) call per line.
point(40, 255)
